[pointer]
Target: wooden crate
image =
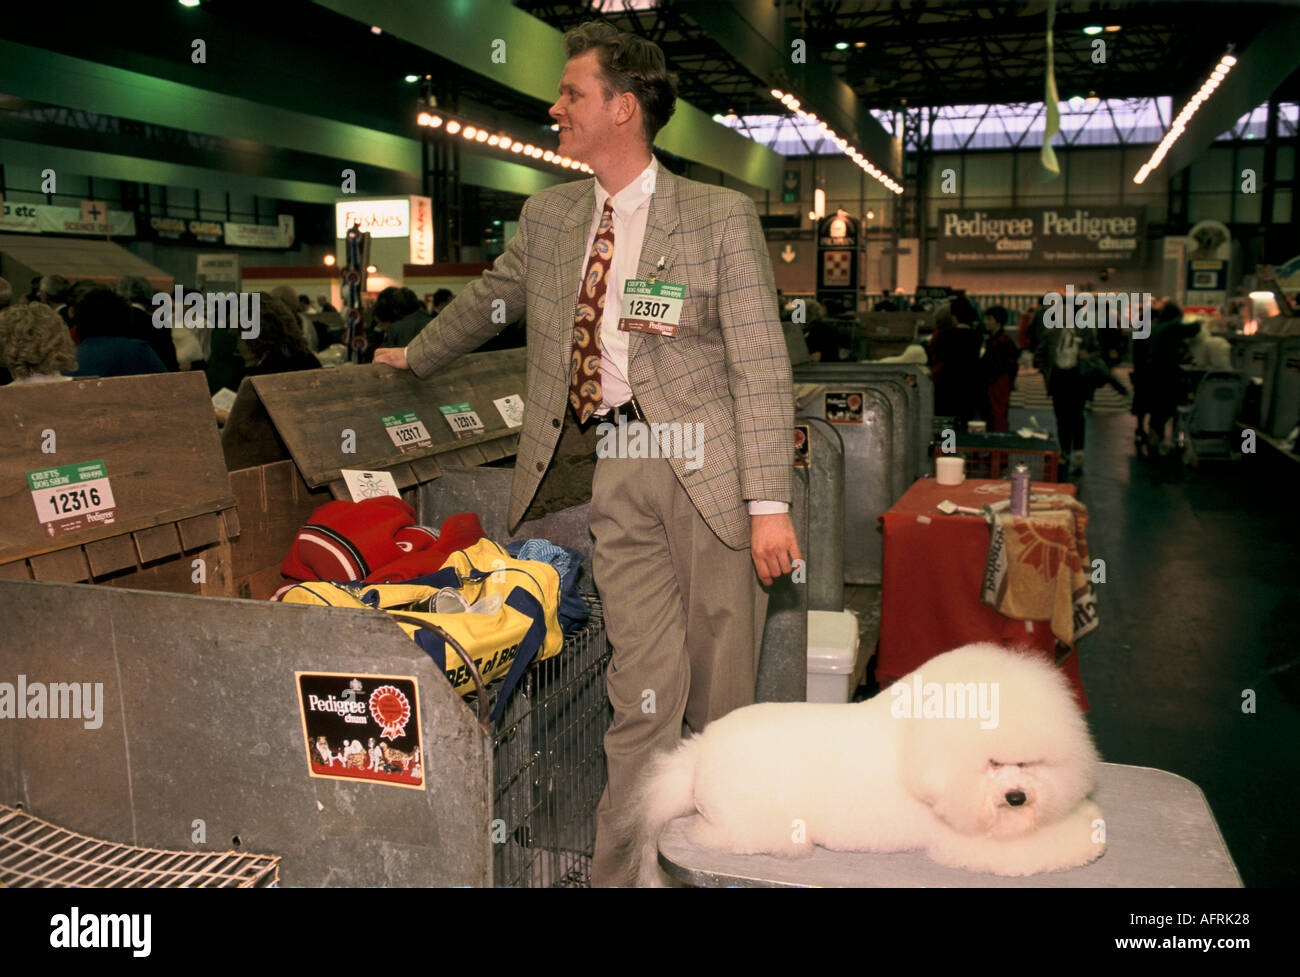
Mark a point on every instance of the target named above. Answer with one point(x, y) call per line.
point(284, 444)
point(159, 445)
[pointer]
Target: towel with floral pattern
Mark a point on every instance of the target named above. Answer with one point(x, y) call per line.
point(1038, 567)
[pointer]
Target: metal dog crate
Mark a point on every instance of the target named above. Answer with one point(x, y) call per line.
point(1256, 357)
point(200, 721)
point(912, 379)
point(884, 451)
point(548, 765)
point(1285, 413)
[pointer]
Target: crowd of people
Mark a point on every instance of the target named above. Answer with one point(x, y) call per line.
point(975, 359)
point(63, 329)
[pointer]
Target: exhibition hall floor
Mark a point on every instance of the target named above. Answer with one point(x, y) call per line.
point(1198, 612)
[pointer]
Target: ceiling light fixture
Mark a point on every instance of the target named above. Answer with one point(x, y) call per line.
point(1179, 125)
point(499, 141)
point(826, 132)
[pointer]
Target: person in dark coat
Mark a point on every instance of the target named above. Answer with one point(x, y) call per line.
point(820, 334)
point(108, 344)
point(1061, 357)
point(999, 364)
point(1162, 377)
point(955, 367)
point(330, 327)
point(441, 299)
point(139, 293)
point(401, 310)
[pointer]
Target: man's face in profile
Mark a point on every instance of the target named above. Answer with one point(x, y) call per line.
point(586, 118)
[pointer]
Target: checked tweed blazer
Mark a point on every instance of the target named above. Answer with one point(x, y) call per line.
point(727, 368)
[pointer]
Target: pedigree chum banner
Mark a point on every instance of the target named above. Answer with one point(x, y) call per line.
point(1037, 237)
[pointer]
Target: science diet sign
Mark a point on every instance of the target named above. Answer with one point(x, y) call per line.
point(1028, 237)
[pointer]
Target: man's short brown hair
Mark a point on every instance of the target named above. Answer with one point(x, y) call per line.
point(629, 64)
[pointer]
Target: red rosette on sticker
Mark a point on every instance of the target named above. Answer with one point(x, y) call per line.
point(855, 402)
point(391, 710)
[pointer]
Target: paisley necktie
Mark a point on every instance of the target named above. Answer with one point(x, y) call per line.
point(584, 370)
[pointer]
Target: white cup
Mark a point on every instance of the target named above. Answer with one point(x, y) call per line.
point(950, 471)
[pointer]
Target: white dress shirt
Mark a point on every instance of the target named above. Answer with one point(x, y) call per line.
point(630, 213)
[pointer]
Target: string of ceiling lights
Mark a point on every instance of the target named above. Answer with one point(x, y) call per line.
point(501, 141)
point(792, 104)
point(1179, 125)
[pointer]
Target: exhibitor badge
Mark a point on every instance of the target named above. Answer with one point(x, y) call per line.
point(651, 306)
point(71, 498)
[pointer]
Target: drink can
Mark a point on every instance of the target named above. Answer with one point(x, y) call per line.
point(1020, 490)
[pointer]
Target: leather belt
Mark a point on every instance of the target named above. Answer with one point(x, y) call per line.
point(629, 410)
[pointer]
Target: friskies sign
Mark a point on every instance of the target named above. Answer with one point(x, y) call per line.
point(1037, 237)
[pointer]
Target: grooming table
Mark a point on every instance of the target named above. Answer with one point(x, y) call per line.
point(1159, 833)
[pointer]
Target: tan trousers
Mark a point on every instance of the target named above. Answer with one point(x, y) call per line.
point(684, 615)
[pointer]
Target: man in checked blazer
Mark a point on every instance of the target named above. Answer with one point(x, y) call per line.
point(681, 543)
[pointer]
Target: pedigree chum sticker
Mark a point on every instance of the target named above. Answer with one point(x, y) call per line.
point(844, 407)
point(361, 727)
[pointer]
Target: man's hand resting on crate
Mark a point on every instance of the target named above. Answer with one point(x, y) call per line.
point(396, 358)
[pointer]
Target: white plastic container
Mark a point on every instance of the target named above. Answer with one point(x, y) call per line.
point(832, 655)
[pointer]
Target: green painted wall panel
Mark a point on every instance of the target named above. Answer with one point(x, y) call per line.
point(56, 79)
point(45, 76)
point(79, 161)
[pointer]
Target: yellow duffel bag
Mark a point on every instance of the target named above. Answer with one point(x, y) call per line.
point(512, 620)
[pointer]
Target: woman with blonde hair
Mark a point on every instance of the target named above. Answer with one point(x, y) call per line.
point(35, 345)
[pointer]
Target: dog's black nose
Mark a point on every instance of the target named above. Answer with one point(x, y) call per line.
point(1015, 797)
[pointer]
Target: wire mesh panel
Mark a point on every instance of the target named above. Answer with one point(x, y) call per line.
point(549, 765)
point(38, 854)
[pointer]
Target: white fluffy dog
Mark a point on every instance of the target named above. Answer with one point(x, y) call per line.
point(980, 757)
